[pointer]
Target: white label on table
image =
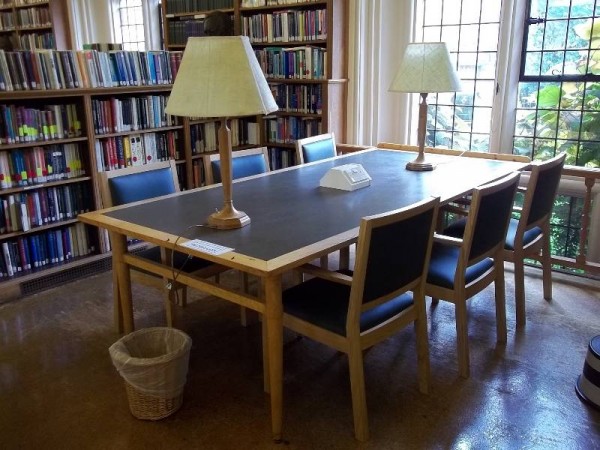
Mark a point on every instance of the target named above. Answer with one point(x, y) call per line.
point(207, 247)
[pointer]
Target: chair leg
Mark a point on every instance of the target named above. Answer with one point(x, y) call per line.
point(500, 299)
point(422, 345)
point(169, 300)
point(359, 398)
point(520, 288)
point(247, 316)
point(462, 338)
point(345, 258)
point(546, 266)
point(118, 314)
point(182, 299)
point(325, 261)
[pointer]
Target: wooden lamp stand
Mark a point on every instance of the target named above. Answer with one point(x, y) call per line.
point(419, 164)
point(227, 217)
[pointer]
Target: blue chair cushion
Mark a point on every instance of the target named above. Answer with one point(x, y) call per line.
point(181, 261)
point(443, 263)
point(457, 229)
point(528, 237)
point(241, 166)
point(141, 186)
point(316, 151)
point(325, 304)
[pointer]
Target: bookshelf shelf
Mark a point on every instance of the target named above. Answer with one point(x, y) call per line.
point(324, 28)
point(40, 213)
point(37, 25)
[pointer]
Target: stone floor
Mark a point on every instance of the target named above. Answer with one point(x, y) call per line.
point(59, 389)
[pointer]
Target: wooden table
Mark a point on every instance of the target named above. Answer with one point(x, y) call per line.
point(294, 221)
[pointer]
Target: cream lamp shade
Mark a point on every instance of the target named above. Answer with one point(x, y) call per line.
point(220, 77)
point(425, 68)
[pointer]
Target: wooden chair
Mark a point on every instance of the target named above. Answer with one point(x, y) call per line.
point(529, 235)
point(145, 182)
point(454, 152)
point(353, 311)
point(316, 148)
point(462, 267)
point(244, 163)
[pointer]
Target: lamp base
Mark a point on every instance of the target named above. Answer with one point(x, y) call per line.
point(419, 166)
point(228, 218)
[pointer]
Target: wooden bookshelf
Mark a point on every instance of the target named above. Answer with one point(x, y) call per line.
point(27, 24)
point(41, 198)
point(311, 91)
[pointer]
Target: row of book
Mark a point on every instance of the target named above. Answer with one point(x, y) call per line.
point(303, 63)
point(20, 124)
point(113, 115)
point(280, 158)
point(259, 3)
point(286, 130)
point(34, 17)
point(179, 31)
point(26, 210)
point(286, 26)
point(300, 98)
point(30, 41)
point(68, 69)
point(204, 136)
point(184, 6)
point(28, 253)
point(37, 165)
point(136, 149)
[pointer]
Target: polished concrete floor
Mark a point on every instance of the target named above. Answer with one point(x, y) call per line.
point(59, 389)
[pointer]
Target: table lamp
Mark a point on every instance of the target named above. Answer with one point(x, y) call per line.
point(425, 68)
point(220, 77)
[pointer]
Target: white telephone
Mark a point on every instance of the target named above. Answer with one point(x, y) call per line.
point(347, 177)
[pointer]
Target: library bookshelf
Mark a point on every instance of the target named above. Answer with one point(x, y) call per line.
point(27, 24)
point(55, 141)
point(301, 45)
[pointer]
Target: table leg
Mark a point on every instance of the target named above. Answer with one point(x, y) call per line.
point(274, 325)
point(119, 248)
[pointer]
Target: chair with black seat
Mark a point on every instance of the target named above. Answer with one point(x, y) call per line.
point(137, 183)
point(528, 235)
point(460, 267)
point(244, 163)
point(352, 311)
point(316, 148)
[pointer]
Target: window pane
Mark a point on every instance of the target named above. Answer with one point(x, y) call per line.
point(433, 12)
point(488, 40)
point(471, 11)
point(555, 35)
point(485, 91)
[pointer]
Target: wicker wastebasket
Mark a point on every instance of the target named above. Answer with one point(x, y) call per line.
point(154, 364)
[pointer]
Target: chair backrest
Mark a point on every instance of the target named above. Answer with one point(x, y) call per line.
point(132, 184)
point(454, 152)
point(541, 190)
point(315, 148)
point(487, 222)
point(244, 163)
point(392, 257)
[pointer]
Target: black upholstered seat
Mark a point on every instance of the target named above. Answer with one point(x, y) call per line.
point(137, 183)
point(528, 236)
point(462, 266)
point(352, 311)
